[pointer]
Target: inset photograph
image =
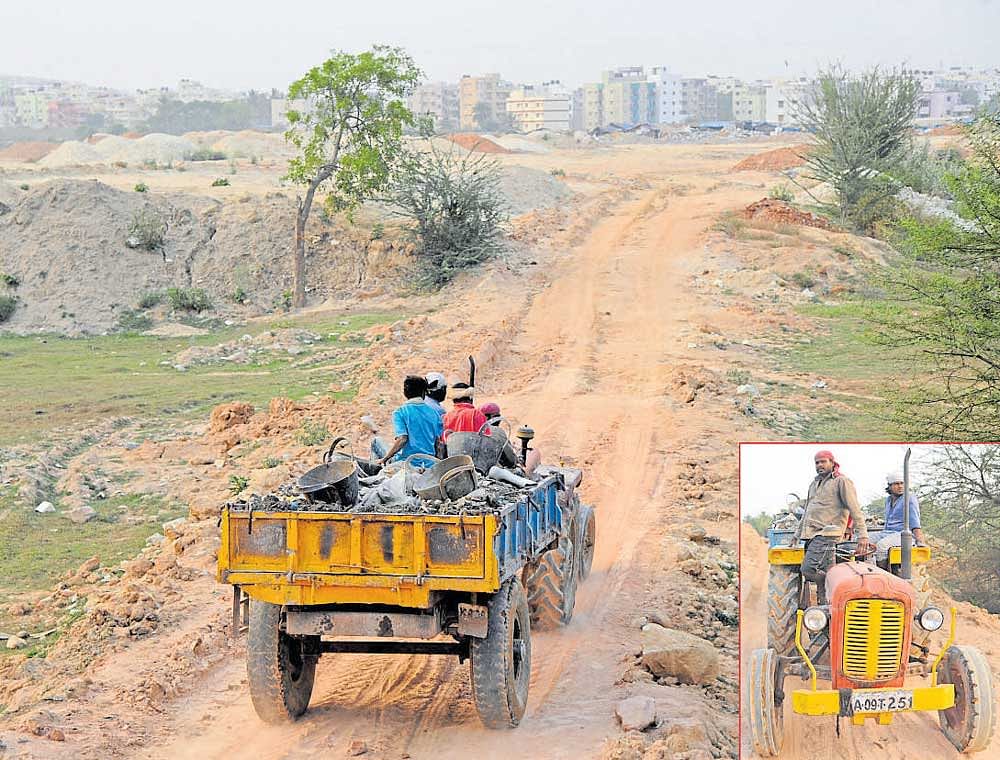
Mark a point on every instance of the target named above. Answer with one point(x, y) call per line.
point(869, 600)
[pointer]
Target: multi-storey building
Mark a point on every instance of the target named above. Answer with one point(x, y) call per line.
point(593, 106)
point(439, 100)
point(486, 95)
point(628, 97)
point(668, 95)
point(783, 99)
point(548, 106)
point(749, 102)
point(699, 100)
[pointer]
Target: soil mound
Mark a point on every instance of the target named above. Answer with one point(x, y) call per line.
point(775, 160)
point(27, 152)
point(779, 212)
point(478, 143)
point(529, 189)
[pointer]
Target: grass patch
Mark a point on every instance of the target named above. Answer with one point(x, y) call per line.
point(50, 382)
point(57, 545)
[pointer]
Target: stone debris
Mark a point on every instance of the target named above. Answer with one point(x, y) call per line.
point(636, 713)
point(81, 515)
point(669, 652)
point(45, 507)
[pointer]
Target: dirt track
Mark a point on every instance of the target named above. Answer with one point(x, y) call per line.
point(913, 736)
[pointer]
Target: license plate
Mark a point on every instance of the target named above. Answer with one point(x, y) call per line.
point(881, 701)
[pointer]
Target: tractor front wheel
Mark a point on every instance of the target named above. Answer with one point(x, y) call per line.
point(784, 584)
point(765, 712)
point(969, 723)
point(585, 540)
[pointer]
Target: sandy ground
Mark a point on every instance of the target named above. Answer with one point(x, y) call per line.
point(913, 736)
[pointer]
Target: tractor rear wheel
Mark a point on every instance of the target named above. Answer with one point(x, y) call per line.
point(550, 584)
point(784, 584)
point(586, 538)
point(280, 671)
point(500, 664)
point(767, 726)
point(969, 724)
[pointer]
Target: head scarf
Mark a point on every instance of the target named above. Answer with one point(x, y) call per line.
point(827, 454)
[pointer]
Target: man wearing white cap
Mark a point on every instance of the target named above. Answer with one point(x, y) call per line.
point(892, 533)
point(437, 389)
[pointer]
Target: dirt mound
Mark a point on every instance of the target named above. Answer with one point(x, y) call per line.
point(947, 131)
point(156, 147)
point(529, 189)
point(478, 143)
point(27, 152)
point(774, 160)
point(779, 212)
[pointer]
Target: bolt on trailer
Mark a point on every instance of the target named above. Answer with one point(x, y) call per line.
point(869, 638)
point(307, 583)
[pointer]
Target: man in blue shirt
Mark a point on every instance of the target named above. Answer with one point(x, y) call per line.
point(416, 426)
point(891, 534)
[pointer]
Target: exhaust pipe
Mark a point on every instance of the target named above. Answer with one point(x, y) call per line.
point(906, 538)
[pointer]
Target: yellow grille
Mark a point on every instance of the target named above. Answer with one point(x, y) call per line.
point(873, 639)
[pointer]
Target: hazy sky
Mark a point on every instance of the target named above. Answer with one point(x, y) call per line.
point(257, 44)
point(768, 471)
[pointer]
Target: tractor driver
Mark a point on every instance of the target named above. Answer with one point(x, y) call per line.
point(832, 500)
point(892, 534)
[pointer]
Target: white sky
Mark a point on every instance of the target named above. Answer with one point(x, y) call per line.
point(257, 44)
point(770, 471)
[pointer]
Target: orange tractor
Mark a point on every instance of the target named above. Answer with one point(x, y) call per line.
point(869, 642)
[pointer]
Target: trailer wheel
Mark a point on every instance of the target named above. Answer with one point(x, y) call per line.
point(281, 674)
point(969, 724)
point(586, 538)
point(784, 584)
point(500, 664)
point(766, 715)
point(550, 584)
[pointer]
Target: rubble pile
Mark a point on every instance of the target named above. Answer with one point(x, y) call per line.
point(778, 159)
point(779, 212)
point(473, 142)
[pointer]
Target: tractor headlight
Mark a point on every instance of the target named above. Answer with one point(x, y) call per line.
point(815, 619)
point(930, 619)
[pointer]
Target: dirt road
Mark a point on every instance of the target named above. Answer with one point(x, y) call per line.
point(913, 736)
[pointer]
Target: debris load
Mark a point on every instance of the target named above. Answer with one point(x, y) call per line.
point(478, 143)
point(779, 212)
point(774, 160)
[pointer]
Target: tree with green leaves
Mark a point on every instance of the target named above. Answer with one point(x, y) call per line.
point(942, 305)
point(861, 130)
point(348, 133)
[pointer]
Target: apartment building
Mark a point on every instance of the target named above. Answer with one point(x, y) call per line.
point(699, 100)
point(628, 97)
point(782, 99)
point(547, 106)
point(668, 95)
point(439, 100)
point(487, 92)
point(749, 102)
point(593, 106)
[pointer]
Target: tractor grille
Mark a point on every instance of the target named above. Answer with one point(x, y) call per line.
point(873, 639)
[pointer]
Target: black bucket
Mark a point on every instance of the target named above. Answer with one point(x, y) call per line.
point(335, 482)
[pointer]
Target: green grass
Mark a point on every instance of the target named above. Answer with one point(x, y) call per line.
point(52, 382)
point(36, 550)
point(839, 352)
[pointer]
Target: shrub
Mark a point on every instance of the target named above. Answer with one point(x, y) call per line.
point(141, 187)
point(312, 433)
point(557, 172)
point(238, 484)
point(7, 306)
point(10, 280)
point(23, 186)
point(738, 376)
point(239, 296)
point(189, 299)
point(132, 321)
point(456, 206)
point(803, 279)
point(732, 225)
point(270, 462)
point(206, 154)
point(150, 299)
point(285, 300)
point(781, 192)
point(378, 231)
point(120, 164)
point(149, 163)
point(146, 230)
point(221, 182)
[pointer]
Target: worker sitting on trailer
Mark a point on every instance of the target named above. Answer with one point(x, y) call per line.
point(464, 417)
point(892, 534)
point(509, 458)
point(416, 426)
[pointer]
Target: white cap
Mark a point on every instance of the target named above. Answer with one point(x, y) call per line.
point(435, 381)
point(893, 477)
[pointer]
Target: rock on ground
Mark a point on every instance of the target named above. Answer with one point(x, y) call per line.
point(81, 515)
point(636, 713)
point(669, 652)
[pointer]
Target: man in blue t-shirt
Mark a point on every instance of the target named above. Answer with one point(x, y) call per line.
point(891, 534)
point(416, 426)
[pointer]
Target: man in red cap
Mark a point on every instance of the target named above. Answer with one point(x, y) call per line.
point(831, 502)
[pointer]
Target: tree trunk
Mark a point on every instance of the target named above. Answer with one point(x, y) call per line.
point(299, 262)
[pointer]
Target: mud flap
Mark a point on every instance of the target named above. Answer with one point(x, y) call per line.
point(473, 620)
